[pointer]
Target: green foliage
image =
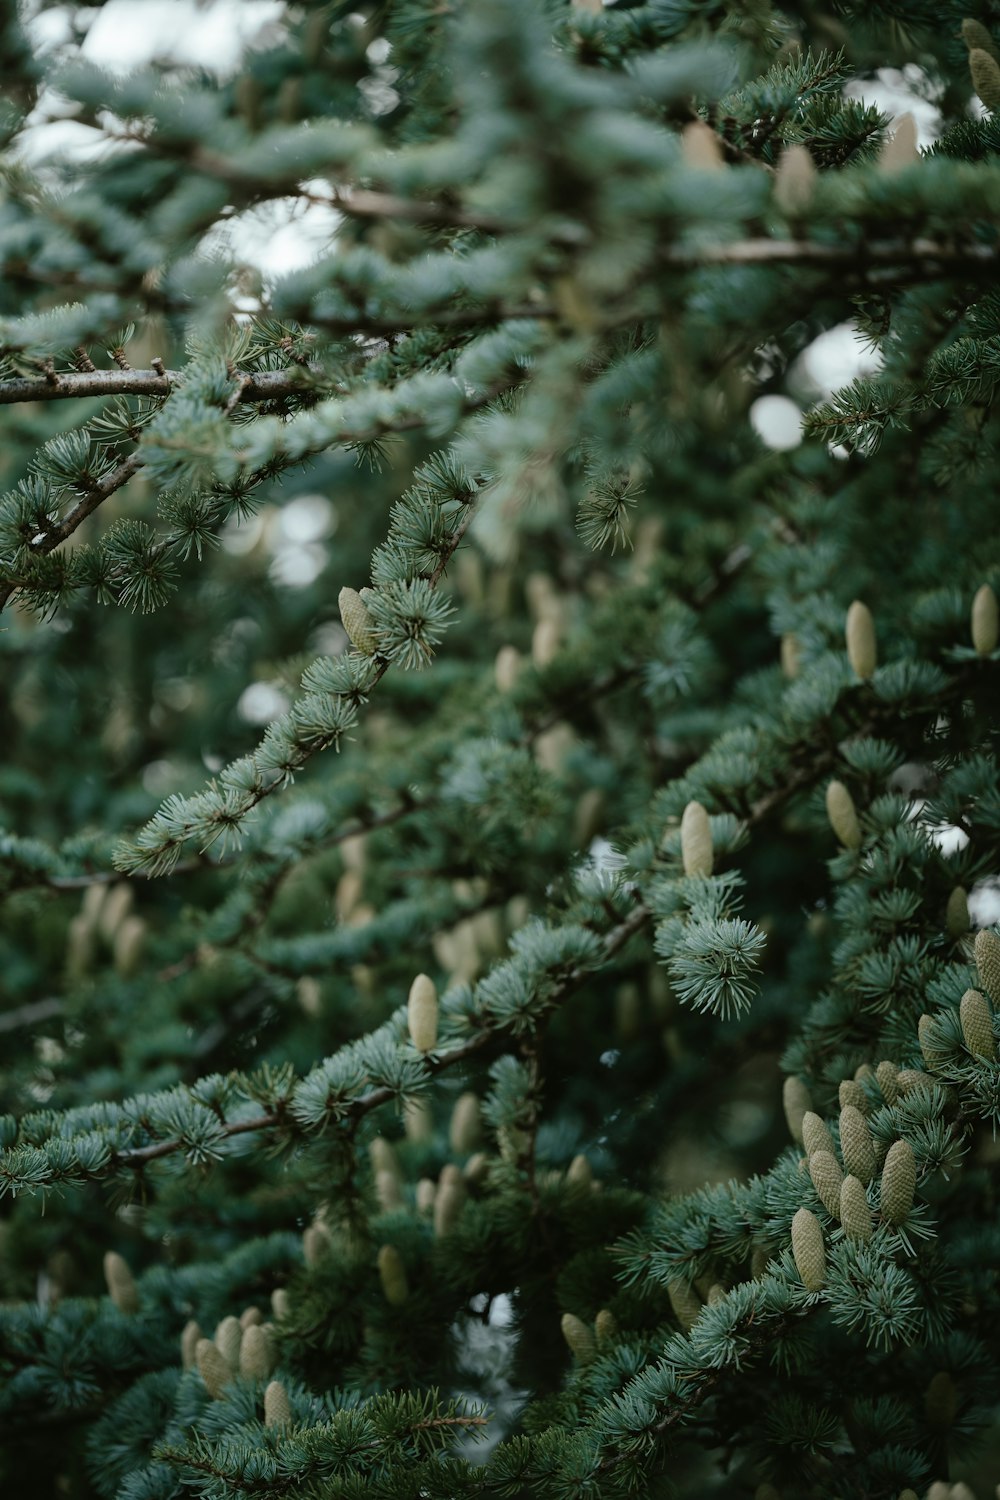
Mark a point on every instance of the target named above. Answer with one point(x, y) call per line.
point(558, 254)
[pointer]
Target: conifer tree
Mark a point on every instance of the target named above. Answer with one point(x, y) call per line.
point(498, 866)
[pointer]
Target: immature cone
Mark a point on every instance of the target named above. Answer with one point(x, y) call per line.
point(865, 1070)
point(815, 1135)
point(941, 1400)
point(422, 1013)
point(190, 1338)
point(824, 1169)
point(701, 148)
point(808, 1251)
point(899, 1179)
point(280, 1303)
point(228, 1338)
point(843, 815)
point(887, 1075)
point(277, 1408)
point(449, 1200)
point(790, 654)
point(909, 1080)
point(130, 940)
point(384, 1158)
point(685, 1302)
point(985, 77)
point(957, 913)
point(466, 1129)
point(315, 1244)
point(256, 1352)
point(357, 621)
point(977, 1025)
point(985, 618)
point(856, 1145)
point(392, 1274)
point(851, 1093)
point(250, 1317)
point(426, 1193)
point(579, 1173)
point(579, 1338)
point(796, 1099)
point(988, 963)
point(715, 1294)
point(388, 1192)
point(855, 1215)
point(975, 35)
point(213, 1368)
point(121, 1283)
point(900, 150)
point(546, 639)
point(794, 183)
point(606, 1327)
point(114, 909)
point(860, 634)
point(418, 1121)
point(507, 668)
point(927, 1037)
point(696, 840)
point(477, 1168)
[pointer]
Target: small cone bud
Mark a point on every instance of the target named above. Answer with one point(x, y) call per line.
point(696, 840)
point(899, 1179)
point(448, 1201)
point(579, 1174)
point(957, 913)
point(794, 182)
point(280, 1303)
point(685, 1302)
point(418, 1121)
point(824, 1169)
point(851, 1093)
point(477, 1169)
point(392, 1274)
point(815, 1135)
point(426, 1193)
point(546, 639)
point(213, 1368)
point(465, 1131)
point(887, 1075)
point(808, 1251)
point(228, 1338)
point(796, 1100)
point(977, 1025)
point(277, 1408)
point(309, 996)
point(422, 1013)
point(256, 1353)
point(114, 909)
point(988, 963)
point(507, 668)
point(860, 635)
point(941, 1400)
point(606, 1328)
point(130, 940)
point(856, 1145)
point(250, 1316)
point(579, 1338)
point(843, 815)
point(700, 146)
point(927, 1037)
point(864, 1071)
point(315, 1243)
point(357, 621)
point(961, 1491)
point(900, 150)
point(384, 1158)
point(121, 1283)
point(976, 37)
point(855, 1215)
point(716, 1293)
point(985, 78)
point(939, 1490)
point(908, 1495)
point(190, 1338)
point(909, 1080)
point(790, 655)
point(388, 1193)
point(985, 620)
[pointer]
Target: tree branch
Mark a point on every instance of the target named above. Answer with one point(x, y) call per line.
point(268, 385)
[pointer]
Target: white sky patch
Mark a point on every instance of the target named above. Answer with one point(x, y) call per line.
point(777, 421)
point(261, 702)
point(836, 358)
point(898, 92)
point(127, 35)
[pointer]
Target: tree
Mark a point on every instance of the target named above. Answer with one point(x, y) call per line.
point(525, 1028)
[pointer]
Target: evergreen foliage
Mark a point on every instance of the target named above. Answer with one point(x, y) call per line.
point(529, 1028)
